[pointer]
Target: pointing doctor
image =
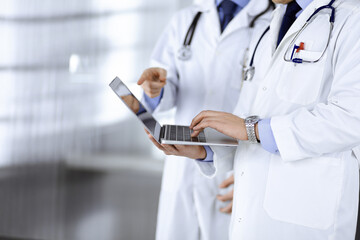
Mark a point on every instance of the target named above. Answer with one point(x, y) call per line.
point(298, 122)
point(196, 65)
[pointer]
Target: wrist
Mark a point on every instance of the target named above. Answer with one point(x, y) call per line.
point(203, 153)
point(251, 125)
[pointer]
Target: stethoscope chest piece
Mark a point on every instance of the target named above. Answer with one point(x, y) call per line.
point(248, 74)
point(184, 53)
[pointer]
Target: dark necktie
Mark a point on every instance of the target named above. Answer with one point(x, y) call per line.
point(289, 18)
point(228, 8)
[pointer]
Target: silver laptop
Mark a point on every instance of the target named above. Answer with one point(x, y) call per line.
point(168, 134)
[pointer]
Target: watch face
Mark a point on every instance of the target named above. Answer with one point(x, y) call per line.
point(253, 119)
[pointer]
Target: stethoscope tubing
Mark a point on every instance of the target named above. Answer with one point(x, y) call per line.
point(190, 33)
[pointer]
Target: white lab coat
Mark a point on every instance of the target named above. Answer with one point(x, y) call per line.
point(310, 190)
point(211, 79)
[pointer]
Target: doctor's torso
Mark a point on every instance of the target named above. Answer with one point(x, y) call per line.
point(211, 78)
point(301, 197)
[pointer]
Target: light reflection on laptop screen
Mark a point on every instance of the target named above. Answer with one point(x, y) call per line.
point(133, 104)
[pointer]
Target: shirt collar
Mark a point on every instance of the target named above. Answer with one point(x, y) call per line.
point(303, 3)
point(240, 3)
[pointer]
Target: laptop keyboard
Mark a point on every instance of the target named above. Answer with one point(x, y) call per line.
point(182, 133)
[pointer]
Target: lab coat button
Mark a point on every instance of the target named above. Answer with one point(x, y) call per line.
point(264, 88)
point(240, 219)
point(242, 173)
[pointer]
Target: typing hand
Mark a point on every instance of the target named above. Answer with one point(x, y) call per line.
point(226, 123)
point(193, 152)
point(152, 81)
point(228, 197)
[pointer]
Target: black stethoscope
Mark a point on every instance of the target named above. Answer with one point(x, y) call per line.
point(296, 49)
point(248, 72)
point(185, 52)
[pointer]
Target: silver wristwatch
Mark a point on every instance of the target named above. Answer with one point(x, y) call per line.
point(250, 128)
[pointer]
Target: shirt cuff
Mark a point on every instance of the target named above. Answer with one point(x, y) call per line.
point(209, 155)
point(266, 136)
point(154, 102)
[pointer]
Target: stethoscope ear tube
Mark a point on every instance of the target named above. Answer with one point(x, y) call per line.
point(184, 52)
point(190, 33)
point(249, 72)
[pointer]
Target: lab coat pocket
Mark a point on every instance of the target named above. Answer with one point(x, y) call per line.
point(301, 83)
point(305, 192)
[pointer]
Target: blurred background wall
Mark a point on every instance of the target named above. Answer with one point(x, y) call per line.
point(74, 164)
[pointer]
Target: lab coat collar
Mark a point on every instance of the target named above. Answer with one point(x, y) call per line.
point(242, 19)
point(245, 16)
point(205, 5)
point(253, 8)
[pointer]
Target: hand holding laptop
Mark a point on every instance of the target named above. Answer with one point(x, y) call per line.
point(168, 134)
point(189, 151)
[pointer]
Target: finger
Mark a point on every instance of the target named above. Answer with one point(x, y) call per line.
point(212, 122)
point(182, 148)
point(159, 146)
point(179, 148)
point(227, 182)
point(203, 115)
point(146, 75)
point(153, 74)
point(196, 133)
point(226, 197)
point(162, 74)
point(153, 89)
point(155, 86)
point(170, 148)
point(198, 118)
point(227, 209)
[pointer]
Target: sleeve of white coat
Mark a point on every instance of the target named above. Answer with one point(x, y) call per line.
point(333, 126)
point(223, 162)
point(164, 56)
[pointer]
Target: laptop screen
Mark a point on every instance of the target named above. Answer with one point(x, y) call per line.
point(134, 105)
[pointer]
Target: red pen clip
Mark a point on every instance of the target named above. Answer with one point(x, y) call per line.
point(301, 47)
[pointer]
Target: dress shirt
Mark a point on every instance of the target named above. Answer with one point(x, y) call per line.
point(240, 5)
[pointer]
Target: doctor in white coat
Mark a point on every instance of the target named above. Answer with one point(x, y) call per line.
point(301, 182)
point(209, 79)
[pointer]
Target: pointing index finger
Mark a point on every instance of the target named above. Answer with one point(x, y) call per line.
point(162, 74)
